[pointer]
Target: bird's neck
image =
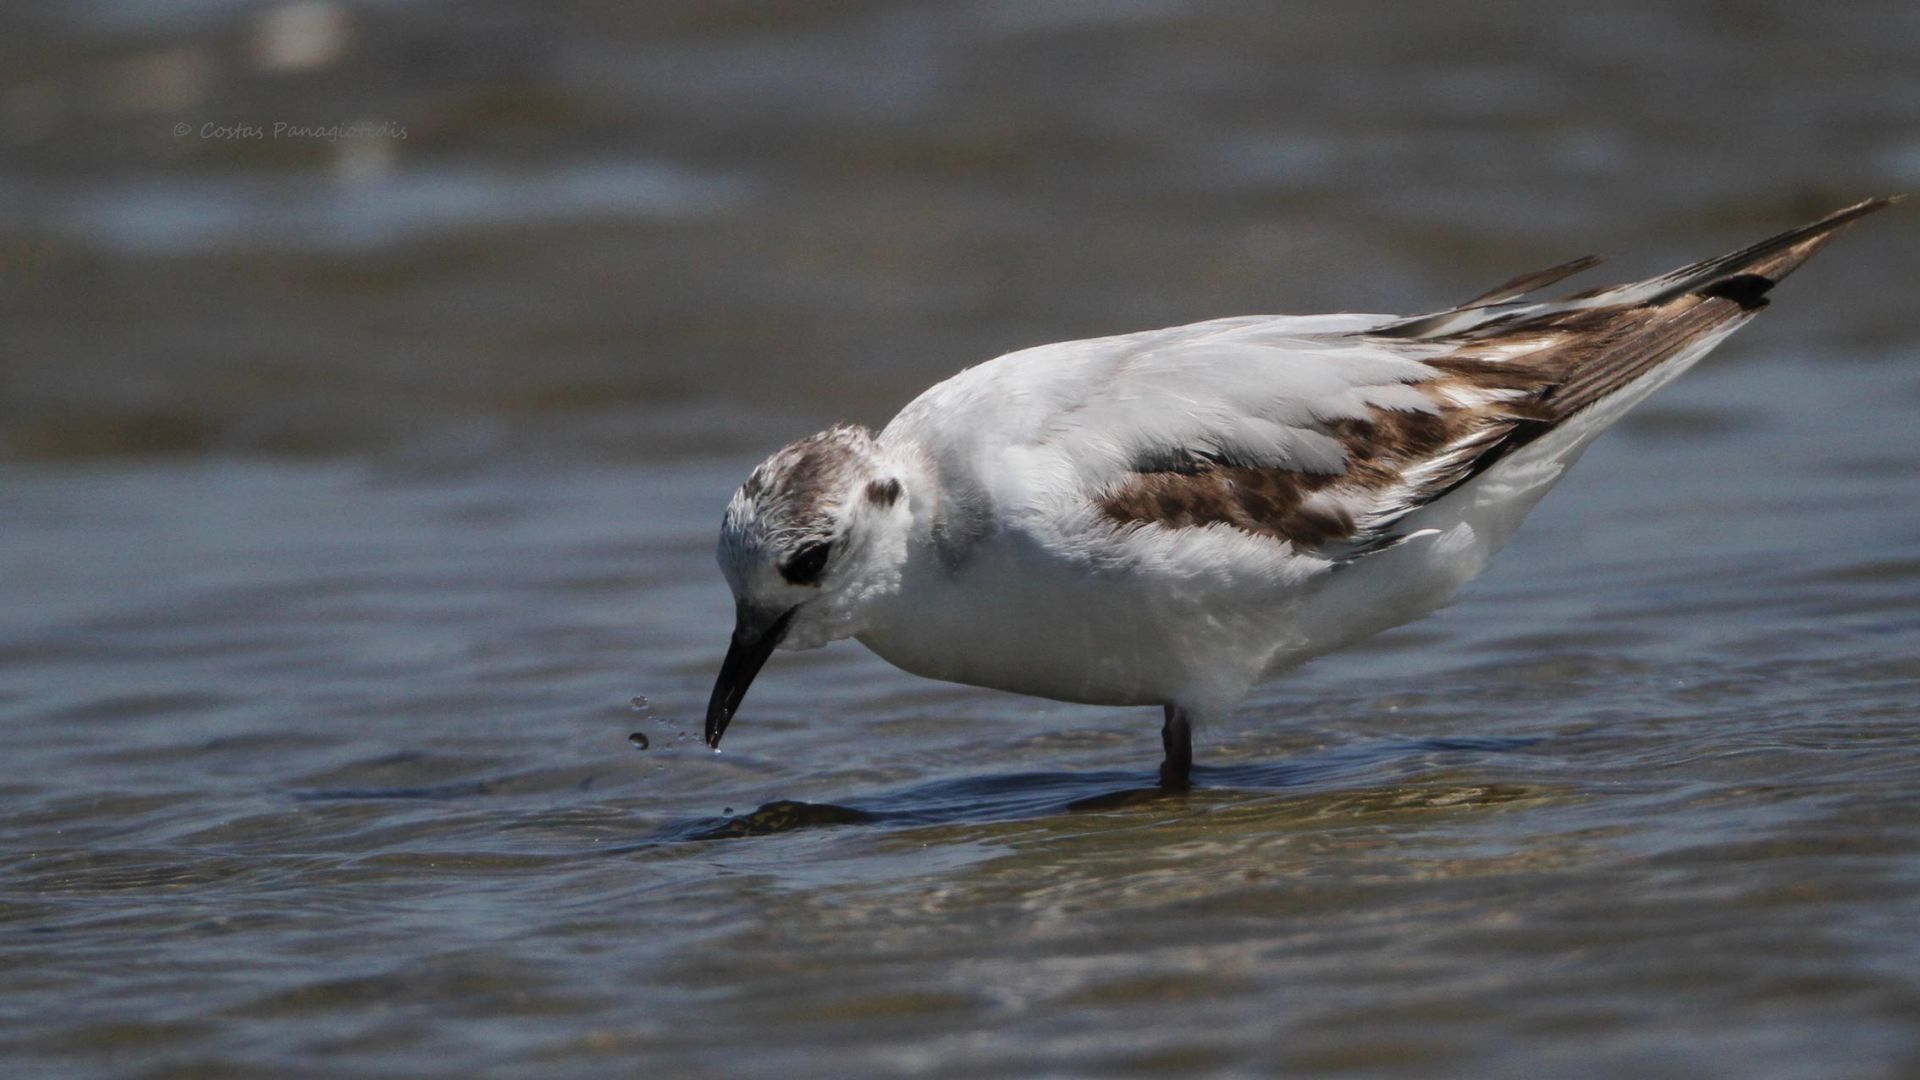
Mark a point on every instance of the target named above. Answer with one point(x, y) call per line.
point(948, 509)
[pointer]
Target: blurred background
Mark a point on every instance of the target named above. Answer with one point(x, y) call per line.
point(373, 374)
point(627, 228)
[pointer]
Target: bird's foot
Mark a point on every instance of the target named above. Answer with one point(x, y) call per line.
point(1175, 779)
point(1176, 736)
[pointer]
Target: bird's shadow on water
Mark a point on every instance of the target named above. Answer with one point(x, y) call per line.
point(1014, 796)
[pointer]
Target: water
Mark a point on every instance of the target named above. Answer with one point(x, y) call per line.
point(356, 509)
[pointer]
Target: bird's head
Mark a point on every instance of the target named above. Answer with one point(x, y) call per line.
point(813, 538)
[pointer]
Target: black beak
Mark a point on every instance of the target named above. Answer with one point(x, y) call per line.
point(745, 654)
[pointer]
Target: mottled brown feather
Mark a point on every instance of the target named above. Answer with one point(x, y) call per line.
point(1506, 381)
point(1379, 449)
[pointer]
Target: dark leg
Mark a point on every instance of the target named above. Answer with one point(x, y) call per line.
point(1176, 735)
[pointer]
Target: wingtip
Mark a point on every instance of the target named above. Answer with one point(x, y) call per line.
point(1778, 256)
point(1859, 210)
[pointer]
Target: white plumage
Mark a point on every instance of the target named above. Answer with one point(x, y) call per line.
point(1167, 517)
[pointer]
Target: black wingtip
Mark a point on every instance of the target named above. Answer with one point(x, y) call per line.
point(1747, 290)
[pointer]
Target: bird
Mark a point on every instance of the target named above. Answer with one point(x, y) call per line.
point(1169, 517)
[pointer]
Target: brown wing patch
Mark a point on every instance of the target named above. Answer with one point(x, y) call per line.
point(1474, 403)
point(1604, 349)
point(1500, 382)
point(1264, 502)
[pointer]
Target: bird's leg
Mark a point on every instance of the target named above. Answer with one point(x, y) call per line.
point(1176, 735)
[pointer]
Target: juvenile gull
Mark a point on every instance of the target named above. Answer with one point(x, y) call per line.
point(1168, 517)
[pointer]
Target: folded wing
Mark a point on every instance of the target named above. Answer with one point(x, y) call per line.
point(1328, 440)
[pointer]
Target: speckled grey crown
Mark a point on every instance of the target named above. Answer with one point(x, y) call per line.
point(794, 497)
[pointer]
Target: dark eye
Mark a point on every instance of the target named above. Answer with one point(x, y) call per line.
point(805, 566)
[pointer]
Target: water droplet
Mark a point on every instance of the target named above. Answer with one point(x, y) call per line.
point(639, 704)
point(728, 810)
point(638, 739)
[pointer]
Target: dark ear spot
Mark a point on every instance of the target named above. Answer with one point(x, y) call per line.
point(807, 563)
point(883, 492)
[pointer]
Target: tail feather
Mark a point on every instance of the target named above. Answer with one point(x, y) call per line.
point(1594, 356)
point(1499, 310)
point(1617, 337)
point(1531, 281)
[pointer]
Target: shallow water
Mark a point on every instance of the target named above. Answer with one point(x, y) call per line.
point(329, 763)
point(339, 539)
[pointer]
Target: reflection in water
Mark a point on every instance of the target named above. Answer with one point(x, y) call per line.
point(784, 815)
point(1036, 794)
